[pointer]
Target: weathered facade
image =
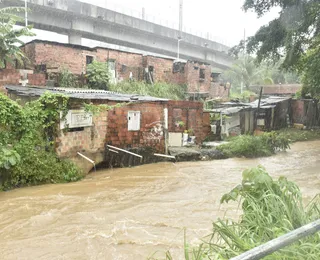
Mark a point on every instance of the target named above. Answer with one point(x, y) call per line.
point(138, 123)
point(52, 56)
point(221, 91)
point(305, 112)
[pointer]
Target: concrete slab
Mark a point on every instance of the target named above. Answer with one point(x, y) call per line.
point(185, 153)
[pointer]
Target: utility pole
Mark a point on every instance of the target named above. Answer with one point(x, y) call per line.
point(180, 17)
point(26, 11)
point(180, 26)
point(143, 13)
point(244, 41)
point(244, 56)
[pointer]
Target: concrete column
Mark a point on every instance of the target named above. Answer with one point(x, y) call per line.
point(74, 38)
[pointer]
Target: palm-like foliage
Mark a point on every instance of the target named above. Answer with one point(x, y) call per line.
point(245, 71)
point(10, 36)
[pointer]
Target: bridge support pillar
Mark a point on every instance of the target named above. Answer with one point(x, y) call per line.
point(74, 38)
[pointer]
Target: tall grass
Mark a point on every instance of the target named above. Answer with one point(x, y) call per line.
point(158, 89)
point(271, 208)
point(254, 146)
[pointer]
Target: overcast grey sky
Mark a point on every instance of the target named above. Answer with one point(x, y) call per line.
point(224, 20)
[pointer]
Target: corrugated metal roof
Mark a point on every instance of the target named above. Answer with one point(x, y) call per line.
point(272, 100)
point(82, 94)
point(226, 110)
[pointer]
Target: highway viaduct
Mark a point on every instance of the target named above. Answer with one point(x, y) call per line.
point(81, 20)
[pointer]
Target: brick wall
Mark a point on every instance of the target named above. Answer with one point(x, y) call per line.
point(73, 57)
point(8, 76)
point(111, 127)
point(90, 140)
point(298, 111)
point(125, 62)
point(284, 89)
point(190, 113)
point(30, 51)
point(163, 70)
point(195, 84)
point(57, 56)
point(281, 89)
point(206, 127)
point(219, 91)
point(151, 126)
point(37, 79)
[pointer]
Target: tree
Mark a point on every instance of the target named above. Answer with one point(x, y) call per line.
point(10, 37)
point(288, 37)
point(248, 72)
point(243, 71)
point(311, 76)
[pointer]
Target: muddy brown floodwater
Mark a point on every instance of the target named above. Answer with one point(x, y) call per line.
point(133, 213)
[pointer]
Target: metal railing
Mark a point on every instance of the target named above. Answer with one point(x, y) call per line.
point(280, 242)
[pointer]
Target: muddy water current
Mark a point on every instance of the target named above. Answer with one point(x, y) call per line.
point(136, 212)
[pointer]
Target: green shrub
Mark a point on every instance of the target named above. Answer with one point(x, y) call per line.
point(158, 89)
point(254, 146)
point(27, 136)
point(41, 167)
point(98, 75)
point(66, 79)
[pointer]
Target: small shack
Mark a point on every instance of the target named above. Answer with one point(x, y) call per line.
point(273, 114)
point(225, 120)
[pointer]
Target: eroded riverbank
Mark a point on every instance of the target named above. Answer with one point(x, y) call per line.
point(131, 213)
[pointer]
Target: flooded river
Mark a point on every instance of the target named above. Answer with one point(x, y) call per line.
point(133, 213)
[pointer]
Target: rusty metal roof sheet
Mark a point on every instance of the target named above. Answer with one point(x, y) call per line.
point(272, 100)
point(83, 94)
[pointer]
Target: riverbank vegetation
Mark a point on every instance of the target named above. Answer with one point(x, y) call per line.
point(297, 135)
point(254, 146)
point(270, 208)
point(27, 135)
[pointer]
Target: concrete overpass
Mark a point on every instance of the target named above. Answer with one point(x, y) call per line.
point(81, 20)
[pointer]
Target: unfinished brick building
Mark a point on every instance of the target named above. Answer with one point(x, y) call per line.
point(52, 56)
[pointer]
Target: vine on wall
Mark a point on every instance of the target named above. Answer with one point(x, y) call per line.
point(27, 137)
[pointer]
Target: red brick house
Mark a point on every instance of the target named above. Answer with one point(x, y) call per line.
point(51, 56)
point(139, 123)
point(46, 57)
